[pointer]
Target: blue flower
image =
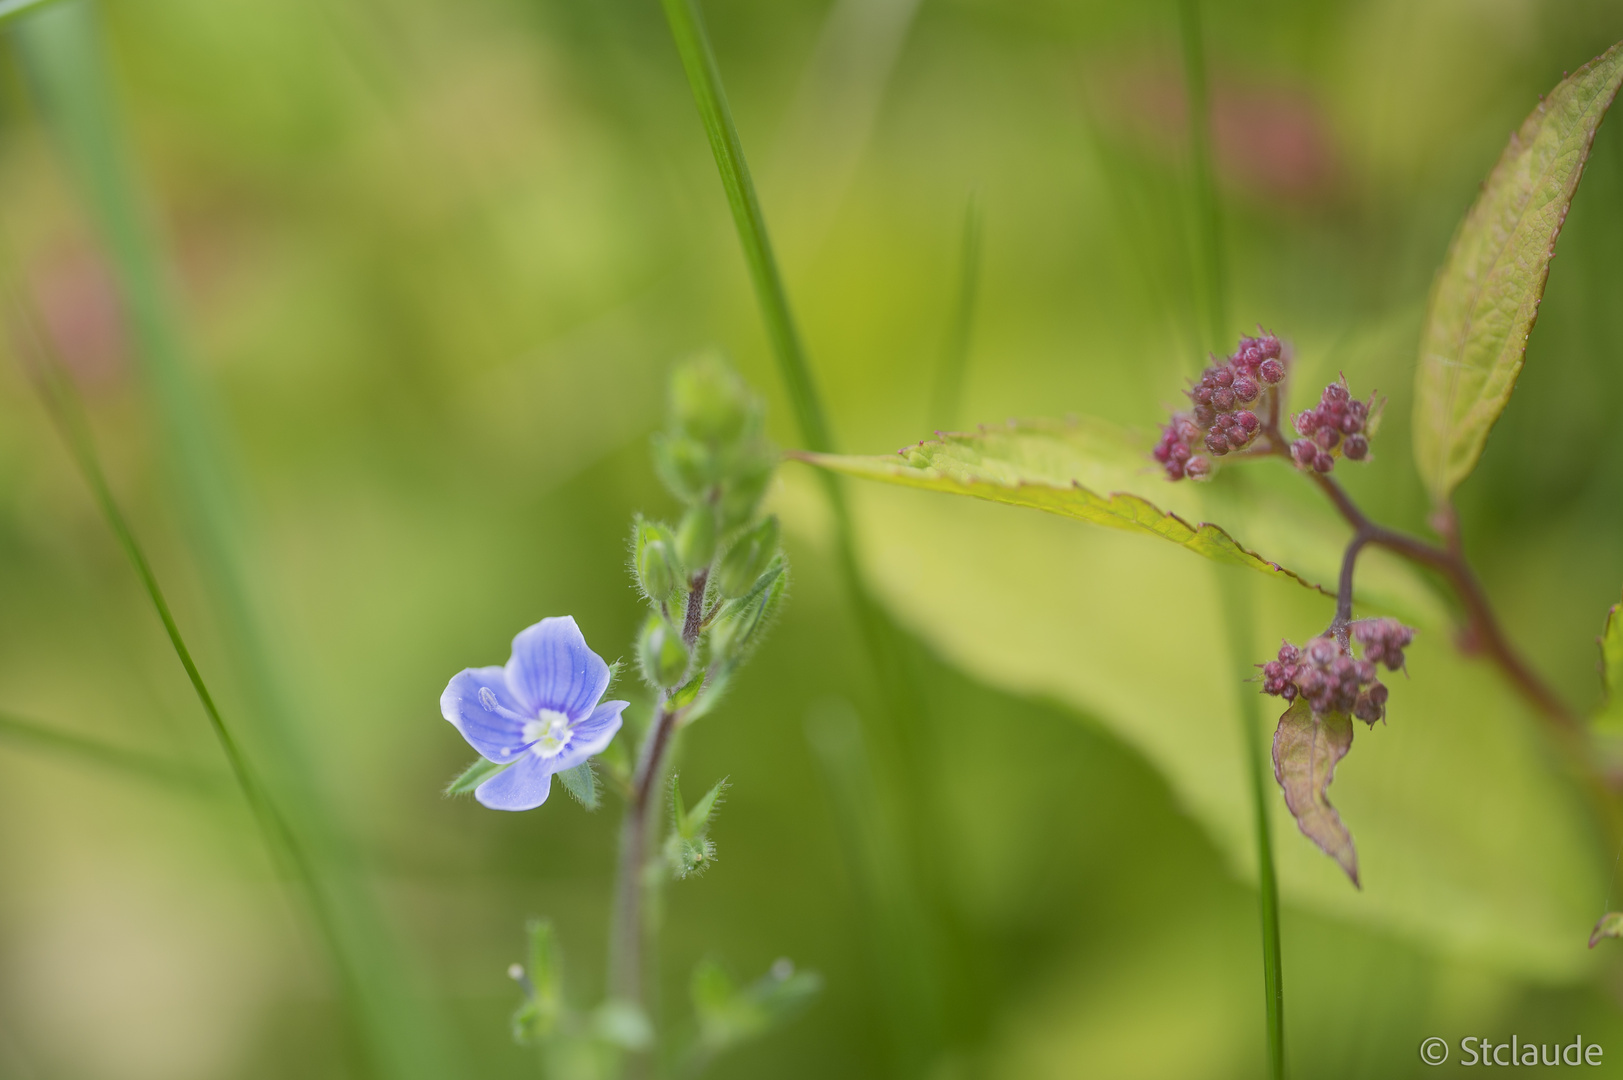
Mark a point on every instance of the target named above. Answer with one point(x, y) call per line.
point(540, 711)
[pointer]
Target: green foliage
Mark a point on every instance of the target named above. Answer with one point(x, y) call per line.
point(696, 536)
point(728, 1015)
point(481, 770)
point(661, 654)
point(1487, 293)
point(748, 558)
point(653, 559)
point(538, 1014)
point(1129, 635)
point(581, 783)
point(1306, 749)
point(689, 849)
point(1042, 465)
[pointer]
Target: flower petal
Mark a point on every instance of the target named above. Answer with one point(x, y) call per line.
point(591, 736)
point(485, 711)
point(525, 786)
point(552, 668)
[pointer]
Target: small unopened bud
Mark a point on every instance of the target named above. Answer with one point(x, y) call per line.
point(1217, 443)
point(1323, 462)
point(1247, 421)
point(1246, 388)
point(1304, 452)
point(696, 538)
point(708, 400)
point(748, 558)
point(1271, 371)
point(1356, 448)
point(655, 570)
point(1327, 437)
point(661, 654)
point(1197, 468)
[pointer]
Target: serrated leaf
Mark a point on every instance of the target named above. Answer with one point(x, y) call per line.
point(1306, 750)
point(1487, 293)
point(1609, 925)
point(581, 782)
point(474, 775)
point(1056, 467)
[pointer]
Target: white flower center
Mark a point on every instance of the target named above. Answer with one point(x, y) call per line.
point(547, 733)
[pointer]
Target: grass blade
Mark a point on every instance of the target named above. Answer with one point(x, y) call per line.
point(64, 59)
point(166, 774)
point(949, 386)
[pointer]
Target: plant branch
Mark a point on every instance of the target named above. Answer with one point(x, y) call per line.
point(1481, 623)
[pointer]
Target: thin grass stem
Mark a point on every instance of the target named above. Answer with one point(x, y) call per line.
point(949, 385)
point(1238, 611)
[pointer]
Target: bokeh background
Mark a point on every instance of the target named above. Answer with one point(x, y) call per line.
point(433, 261)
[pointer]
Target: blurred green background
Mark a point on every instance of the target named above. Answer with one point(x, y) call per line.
point(435, 259)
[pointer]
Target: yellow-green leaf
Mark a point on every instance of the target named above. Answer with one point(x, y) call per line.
point(1306, 750)
point(1487, 294)
point(1067, 468)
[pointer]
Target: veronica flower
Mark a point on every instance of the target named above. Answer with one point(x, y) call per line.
point(540, 714)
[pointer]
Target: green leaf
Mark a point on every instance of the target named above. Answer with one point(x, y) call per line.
point(1610, 925)
point(1128, 634)
point(1059, 467)
point(1486, 296)
point(474, 775)
point(689, 849)
point(728, 1016)
point(1306, 749)
point(581, 782)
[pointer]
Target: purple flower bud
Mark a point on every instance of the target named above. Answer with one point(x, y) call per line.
point(1188, 430)
point(1197, 468)
point(1270, 347)
point(1271, 371)
point(1288, 653)
point(1357, 448)
point(1336, 391)
point(1223, 376)
point(1246, 389)
point(1203, 395)
point(1223, 398)
point(1321, 651)
point(1175, 470)
point(1204, 415)
point(1307, 422)
point(1323, 462)
point(1247, 421)
point(1289, 693)
point(1179, 452)
point(1304, 452)
point(1327, 437)
point(1217, 443)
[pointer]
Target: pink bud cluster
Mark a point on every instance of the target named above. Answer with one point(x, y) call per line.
point(1221, 419)
point(1335, 428)
point(1331, 679)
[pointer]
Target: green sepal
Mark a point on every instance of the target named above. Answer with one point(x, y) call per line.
point(581, 782)
point(474, 775)
point(689, 849)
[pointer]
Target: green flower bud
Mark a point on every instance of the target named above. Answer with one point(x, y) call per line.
point(709, 401)
point(696, 538)
point(686, 468)
point(662, 654)
point(748, 558)
point(654, 569)
point(743, 490)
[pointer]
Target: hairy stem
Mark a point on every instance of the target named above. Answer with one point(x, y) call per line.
point(627, 933)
